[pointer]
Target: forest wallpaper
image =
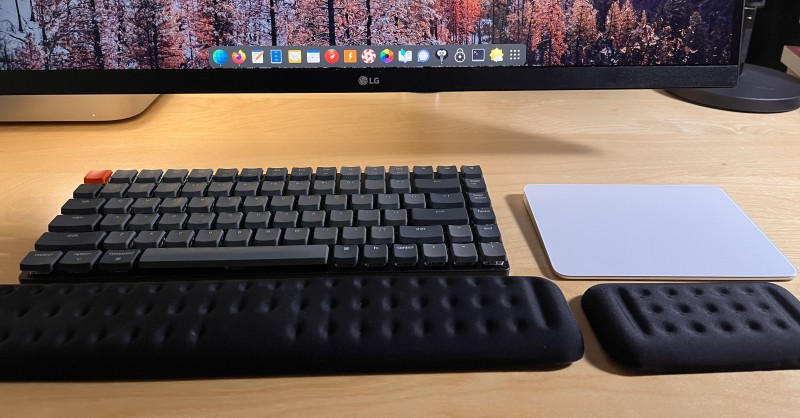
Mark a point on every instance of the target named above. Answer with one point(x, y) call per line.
point(174, 34)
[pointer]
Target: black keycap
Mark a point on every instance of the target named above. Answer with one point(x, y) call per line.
point(397, 172)
point(226, 174)
point(119, 261)
point(65, 241)
point(326, 173)
point(323, 187)
point(350, 173)
point(118, 205)
point(395, 217)
point(178, 239)
point(150, 176)
point(200, 205)
point(426, 185)
point(143, 222)
point(251, 174)
point(40, 262)
point(120, 240)
point(200, 175)
point(82, 206)
point(494, 254)
point(115, 222)
point(141, 190)
point(194, 189)
point(471, 171)
point(354, 235)
point(87, 191)
point(123, 176)
point(173, 205)
point(389, 201)
point(255, 203)
point(483, 216)
point(413, 200)
point(296, 236)
point(270, 236)
point(112, 190)
point(272, 188)
point(345, 255)
point(327, 236)
point(368, 217)
point(313, 218)
point(149, 239)
point(309, 202)
point(376, 255)
point(459, 233)
point(79, 262)
point(167, 190)
point(488, 233)
point(290, 255)
point(361, 201)
point(375, 173)
point(464, 254)
point(446, 200)
point(399, 186)
point(432, 234)
point(257, 220)
point(405, 255)
point(423, 172)
point(238, 237)
point(230, 220)
point(276, 174)
point(285, 219)
point(198, 221)
point(301, 173)
point(282, 203)
point(74, 223)
point(479, 200)
point(228, 204)
point(457, 216)
point(447, 172)
point(208, 238)
point(474, 185)
point(146, 205)
point(172, 221)
point(340, 218)
point(246, 188)
point(434, 254)
point(350, 186)
point(381, 235)
point(298, 187)
point(335, 202)
point(220, 188)
point(175, 176)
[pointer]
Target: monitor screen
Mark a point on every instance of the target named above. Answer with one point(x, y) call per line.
point(155, 46)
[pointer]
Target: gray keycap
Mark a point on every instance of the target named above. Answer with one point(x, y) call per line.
point(121, 240)
point(405, 255)
point(282, 203)
point(395, 217)
point(361, 201)
point(464, 254)
point(41, 262)
point(328, 236)
point(397, 172)
point(488, 233)
point(276, 174)
point(172, 221)
point(146, 205)
point(298, 188)
point(251, 174)
point(199, 221)
point(123, 176)
point(272, 188)
point(301, 173)
point(474, 185)
point(200, 175)
point(345, 255)
point(270, 236)
point(112, 190)
point(80, 262)
point(309, 202)
point(471, 171)
point(285, 255)
point(119, 205)
point(255, 203)
point(340, 218)
point(376, 255)
point(74, 223)
point(141, 190)
point(226, 174)
point(447, 172)
point(296, 236)
point(194, 189)
point(257, 220)
point(399, 186)
point(65, 241)
point(119, 261)
point(326, 173)
point(381, 235)
point(150, 176)
point(175, 176)
point(483, 216)
point(200, 205)
point(375, 173)
point(220, 188)
point(459, 233)
point(87, 191)
point(246, 188)
point(446, 200)
point(368, 217)
point(173, 205)
point(432, 234)
point(457, 216)
point(493, 253)
point(178, 239)
point(434, 254)
point(208, 238)
point(413, 200)
point(285, 219)
point(423, 172)
point(479, 200)
point(143, 222)
point(354, 235)
point(323, 187)
point(228, 204)
point(313, 218)
point(238, 237)
point(335, 202)
point(167, 190)
point(350, 186)
point(374, 186)
point(114, 222)
point(82, 206)
point(389, 201)
point(229, 220)
point(426, 185)
point(350, 173)
point(149, 239)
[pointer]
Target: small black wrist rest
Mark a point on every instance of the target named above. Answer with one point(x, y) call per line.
point(283, 326)
point(696, 327)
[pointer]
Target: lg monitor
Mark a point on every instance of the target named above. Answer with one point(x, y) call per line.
point(79, 47)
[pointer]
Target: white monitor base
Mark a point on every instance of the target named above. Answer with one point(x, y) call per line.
point(73, 108)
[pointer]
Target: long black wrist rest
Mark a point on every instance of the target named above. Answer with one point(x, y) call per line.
point(283, 326)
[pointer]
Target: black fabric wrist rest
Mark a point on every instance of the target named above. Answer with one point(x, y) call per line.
point(696, 327)
point(283, 326)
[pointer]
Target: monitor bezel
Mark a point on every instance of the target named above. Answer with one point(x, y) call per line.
point(342, 80)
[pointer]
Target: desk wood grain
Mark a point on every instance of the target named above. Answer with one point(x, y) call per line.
point(517, 137)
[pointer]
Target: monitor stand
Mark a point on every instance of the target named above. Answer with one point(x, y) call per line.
point(73, 108)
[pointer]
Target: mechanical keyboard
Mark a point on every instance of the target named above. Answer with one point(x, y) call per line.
point(180, 224)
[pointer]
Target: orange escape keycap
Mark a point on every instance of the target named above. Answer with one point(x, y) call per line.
point(97, 177)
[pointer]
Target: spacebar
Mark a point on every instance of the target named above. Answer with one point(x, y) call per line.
point(290, 255)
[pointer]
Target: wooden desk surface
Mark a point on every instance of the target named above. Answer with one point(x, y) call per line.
point(518, 138)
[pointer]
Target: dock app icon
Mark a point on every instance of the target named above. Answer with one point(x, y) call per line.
point(295, 56)
point(258, 56)
point(276, 56)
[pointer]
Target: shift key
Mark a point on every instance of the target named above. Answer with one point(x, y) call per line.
point(65, 241)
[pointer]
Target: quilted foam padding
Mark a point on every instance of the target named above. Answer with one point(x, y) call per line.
point(696, 327)
point(289, 326)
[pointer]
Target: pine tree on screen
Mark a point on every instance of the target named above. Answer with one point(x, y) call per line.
point(30, 56)
point(549, 25)
point(697, 40)
point(582, 32)
point(156, 42)
point(620, 25)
